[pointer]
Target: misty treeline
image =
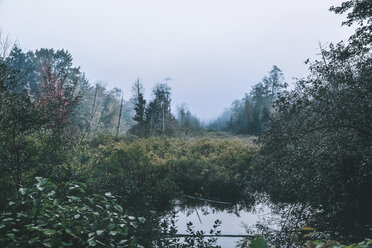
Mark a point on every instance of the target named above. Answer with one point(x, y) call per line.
point(52, 121)
point(155, 117)
point(46, 74)
point(52, 85)
point(63, 151)
point(313, 161)
point(250, 114)
point(46, 106)
point(45, 97)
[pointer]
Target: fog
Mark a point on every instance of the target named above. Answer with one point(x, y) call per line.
point(213, 50)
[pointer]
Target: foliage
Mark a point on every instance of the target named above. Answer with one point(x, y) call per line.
point(154, 118)
point(155, 170)
point(220, 123)
point(139, 103)
point(317, 151)
point(47, 215)
point(60, 87)
point(259, 243)
point(42, 106)
point(197, 239)
point(250, 114)
point(19, 117)
point(186, 120)
point(69, 105)
point(361, 15)
point(315, 155)
point(332, 243)
point(200, 241)
point(100, 111)
point(45, 109)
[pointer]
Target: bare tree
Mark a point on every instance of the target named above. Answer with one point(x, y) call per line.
point(5, 45)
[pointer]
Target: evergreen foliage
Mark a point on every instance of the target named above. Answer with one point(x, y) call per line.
point(250, 114)
point(317, 150)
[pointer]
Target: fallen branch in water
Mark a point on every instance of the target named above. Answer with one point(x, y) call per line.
point(206, 200)
point(213, 235)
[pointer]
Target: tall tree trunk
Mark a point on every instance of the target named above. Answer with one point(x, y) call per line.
point(121, 108)
point(163, 121)
point(87, 130)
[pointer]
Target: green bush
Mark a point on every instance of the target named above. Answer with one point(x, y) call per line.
point(47, 215)
point(157, 170)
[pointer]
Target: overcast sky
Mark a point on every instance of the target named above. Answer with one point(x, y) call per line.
point(214, 50)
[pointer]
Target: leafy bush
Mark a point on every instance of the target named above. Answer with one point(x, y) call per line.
point(260, 242)
point(47, 215)
point(334, 244)
point(156, 170)
point(317, 151)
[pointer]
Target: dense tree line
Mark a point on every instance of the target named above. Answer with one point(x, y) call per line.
point(316, 154)
point(250, 114)
point(46, 105)
point(314, 158)
point(51, 121)
point(186, 119)
point(49, 75)
point(156, 117)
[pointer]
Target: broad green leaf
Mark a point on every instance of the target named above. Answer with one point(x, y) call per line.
point(22, 191)
point(99, 242)
point(48, 243)
point(10, 235)
point(142, 219)
point(133, 224)
point(108, 194)
point(119, 208)
point(92, 242)
point(39, 179)
point(111, 226)
point(49, 232)
point(74, 198)
point(259, 243)
point(51, 193)
point(39, 187)
point(123, 241)
point(73, 186)
point(69, 231)
point(33, 240)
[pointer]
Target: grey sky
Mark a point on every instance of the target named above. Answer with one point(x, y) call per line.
point(214, 50)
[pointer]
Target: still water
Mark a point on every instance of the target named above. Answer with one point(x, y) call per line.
point(235, 220)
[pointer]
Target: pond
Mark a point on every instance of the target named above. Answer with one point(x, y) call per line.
point(236, 219)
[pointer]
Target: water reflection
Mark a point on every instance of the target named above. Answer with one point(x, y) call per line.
point(236, 219)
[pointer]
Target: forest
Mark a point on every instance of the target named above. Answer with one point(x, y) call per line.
point(80, 166)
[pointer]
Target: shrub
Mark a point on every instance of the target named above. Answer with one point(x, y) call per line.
point(157, 170)
point(45, 215)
